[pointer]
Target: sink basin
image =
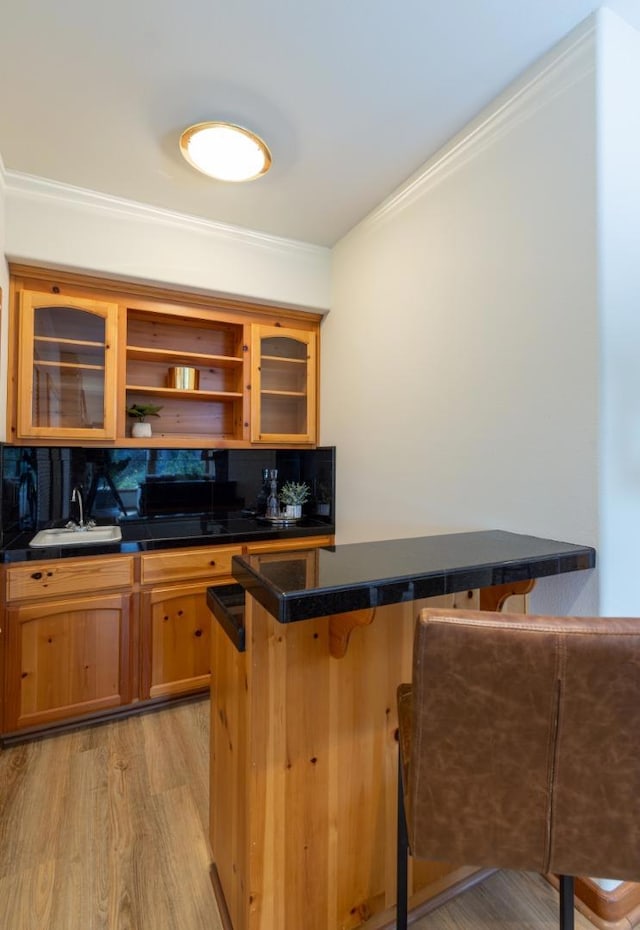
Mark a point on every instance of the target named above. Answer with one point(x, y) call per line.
point(70, 536)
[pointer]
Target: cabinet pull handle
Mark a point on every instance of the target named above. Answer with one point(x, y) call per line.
point(212, 562)
point(37, 576)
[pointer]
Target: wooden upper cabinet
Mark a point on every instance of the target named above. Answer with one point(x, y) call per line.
point(67, 367)
point(283, 385)
point(224, 373)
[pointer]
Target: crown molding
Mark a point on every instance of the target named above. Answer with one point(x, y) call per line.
point(566, 64)
point(20, 185)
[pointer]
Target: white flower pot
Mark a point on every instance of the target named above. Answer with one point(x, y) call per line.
point(141, 430)
point(293, 511)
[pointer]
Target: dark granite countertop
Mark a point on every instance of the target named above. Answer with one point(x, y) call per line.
point(313, 583)
point(158, 533)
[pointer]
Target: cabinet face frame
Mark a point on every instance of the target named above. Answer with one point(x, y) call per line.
point(29, 304)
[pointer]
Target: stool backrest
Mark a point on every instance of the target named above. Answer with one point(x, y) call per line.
point(525, 743)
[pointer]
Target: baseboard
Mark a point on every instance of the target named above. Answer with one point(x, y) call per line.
point(431, 897)
point(618, 909)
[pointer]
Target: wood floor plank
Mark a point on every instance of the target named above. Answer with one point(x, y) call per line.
point(181, 754)
point(31, 812)
point(183, 875)
point(26, 898)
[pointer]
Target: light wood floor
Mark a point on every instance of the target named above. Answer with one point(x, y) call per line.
point(105, 829)
point(505, 901)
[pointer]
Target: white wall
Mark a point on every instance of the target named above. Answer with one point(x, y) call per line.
point(460, 378)
point(4, 287)
point(60, 226)
point(619, 203)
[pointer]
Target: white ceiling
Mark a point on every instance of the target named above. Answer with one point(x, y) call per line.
point(352, 96)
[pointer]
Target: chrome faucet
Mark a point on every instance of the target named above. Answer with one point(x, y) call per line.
point(77, 498)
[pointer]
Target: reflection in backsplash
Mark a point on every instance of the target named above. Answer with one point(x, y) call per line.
point(141, 483)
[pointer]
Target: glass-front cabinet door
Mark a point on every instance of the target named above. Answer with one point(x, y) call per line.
point(67, 372)
point(283, 385)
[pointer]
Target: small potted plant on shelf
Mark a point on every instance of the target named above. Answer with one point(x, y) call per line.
point(293, 495)
point(141, 429)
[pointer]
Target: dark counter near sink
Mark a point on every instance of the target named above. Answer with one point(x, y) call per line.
point(177, 533)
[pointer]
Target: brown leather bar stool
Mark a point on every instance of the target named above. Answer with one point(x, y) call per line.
point(519, 747)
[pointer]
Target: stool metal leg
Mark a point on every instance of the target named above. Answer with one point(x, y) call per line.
point(566, 902)
point(402, 856)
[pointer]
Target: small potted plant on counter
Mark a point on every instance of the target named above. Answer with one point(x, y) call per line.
point(293, 495)
point(141, 429)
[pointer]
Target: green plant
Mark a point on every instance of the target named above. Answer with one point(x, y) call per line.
point(140, 411)
point(293, 493)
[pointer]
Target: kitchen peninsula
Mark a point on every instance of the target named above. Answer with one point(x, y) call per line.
point(303, 731)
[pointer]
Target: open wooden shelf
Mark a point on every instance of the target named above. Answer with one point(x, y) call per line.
point(189, 395)
point(144, 354)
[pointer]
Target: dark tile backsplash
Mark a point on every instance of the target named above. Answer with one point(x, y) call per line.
point(132, 483)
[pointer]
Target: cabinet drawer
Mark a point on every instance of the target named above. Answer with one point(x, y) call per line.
point(68, 576)
point(187, 564)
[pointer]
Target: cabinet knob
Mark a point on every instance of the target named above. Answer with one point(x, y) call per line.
point(198, 633)
point(212, 562)
point(37, 576)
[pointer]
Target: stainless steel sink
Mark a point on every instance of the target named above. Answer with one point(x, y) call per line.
point(72, 536)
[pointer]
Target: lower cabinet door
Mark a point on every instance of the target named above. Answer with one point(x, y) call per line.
point(67, 658)
point(176, 646)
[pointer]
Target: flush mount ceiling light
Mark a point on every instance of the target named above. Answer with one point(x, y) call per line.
point(225, 152)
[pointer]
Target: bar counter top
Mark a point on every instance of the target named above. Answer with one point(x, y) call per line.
point(337, 579)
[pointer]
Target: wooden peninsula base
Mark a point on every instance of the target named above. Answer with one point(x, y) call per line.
point(304, 726)
point(303, 774)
